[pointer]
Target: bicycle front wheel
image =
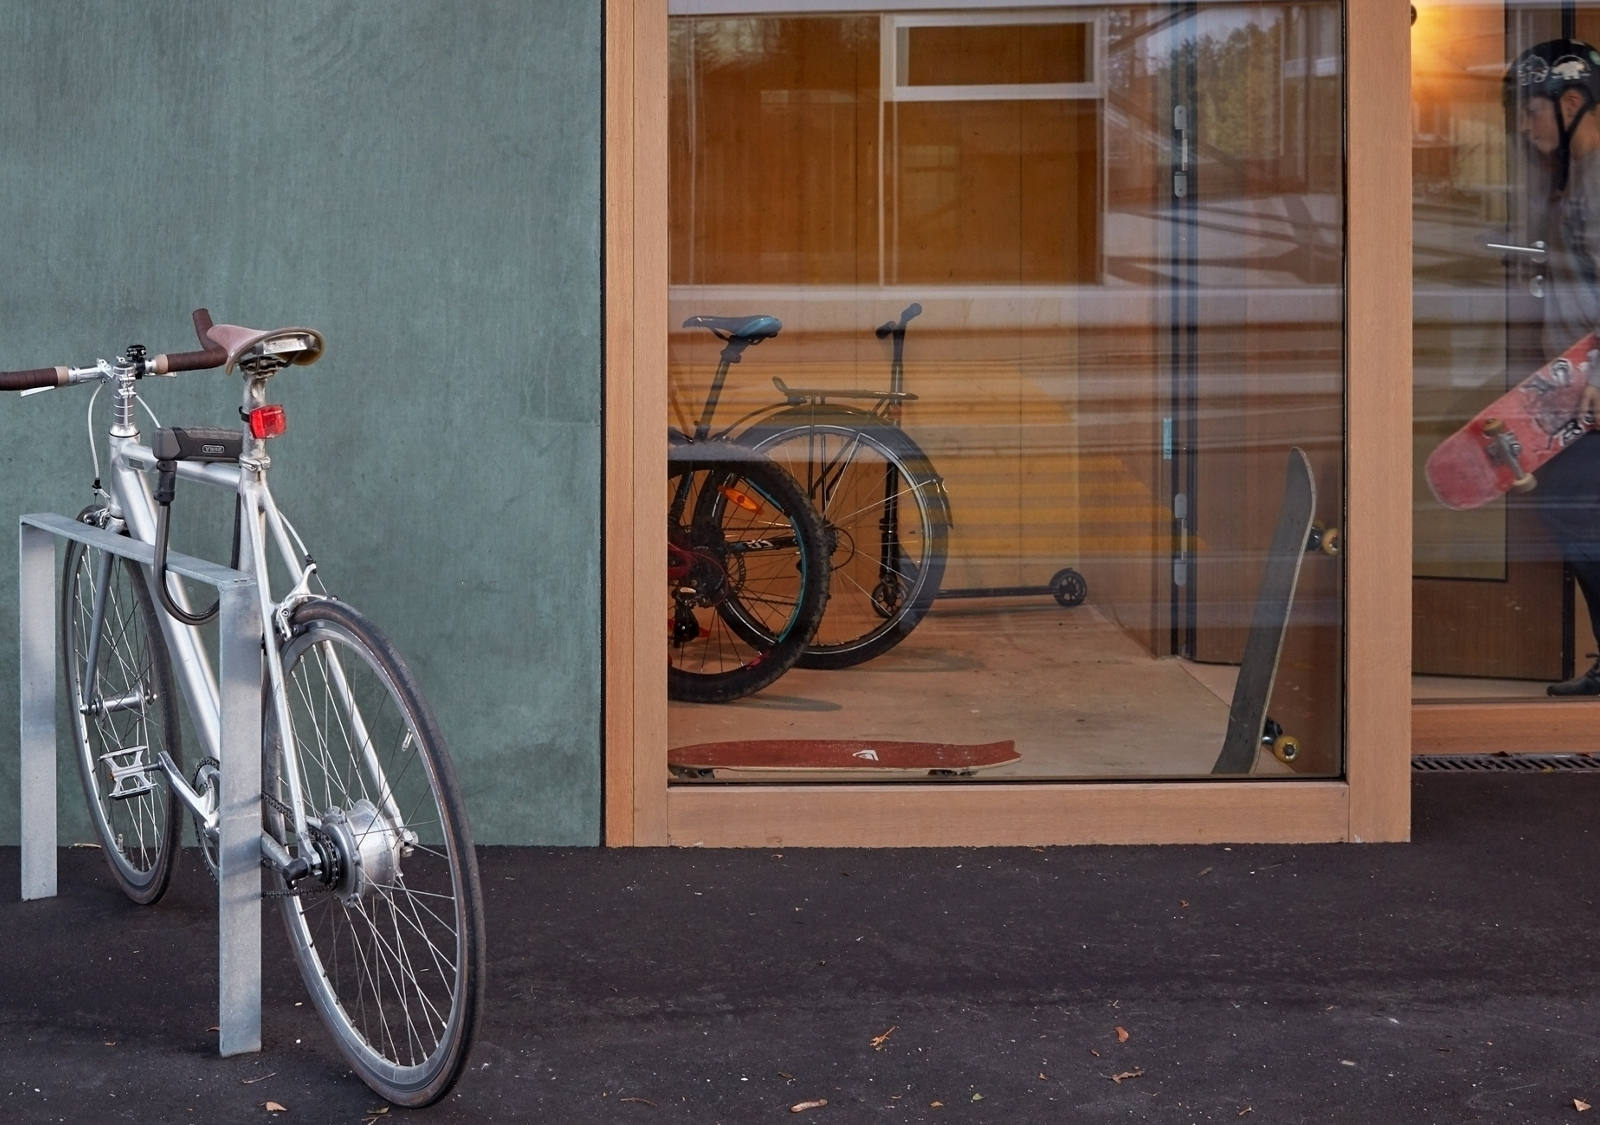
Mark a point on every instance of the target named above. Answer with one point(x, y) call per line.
point(387, 928)
point(742, 546)
point(124, 714)
point(885, 511)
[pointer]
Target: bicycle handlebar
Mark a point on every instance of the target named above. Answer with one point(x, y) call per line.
point(33, 379)
point(210, 355)
point(910, 313)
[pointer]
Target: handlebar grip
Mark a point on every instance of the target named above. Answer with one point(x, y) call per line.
point(33, 379)
point(211, 355)
point(912, 311)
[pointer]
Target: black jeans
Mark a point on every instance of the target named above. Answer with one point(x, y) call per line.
point(1568, 499)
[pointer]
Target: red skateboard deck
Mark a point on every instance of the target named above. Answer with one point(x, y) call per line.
point(852, 755)
point(1513, 437)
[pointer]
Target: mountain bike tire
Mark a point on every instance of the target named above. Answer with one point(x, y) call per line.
point(743, 546)
point(885, 510)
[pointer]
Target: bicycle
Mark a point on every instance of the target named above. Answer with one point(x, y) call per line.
point(883, 506)
point(747, 570)
point(364, 840)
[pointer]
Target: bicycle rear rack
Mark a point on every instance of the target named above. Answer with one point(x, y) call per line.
point(239, 688)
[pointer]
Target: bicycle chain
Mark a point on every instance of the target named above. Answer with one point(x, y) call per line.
point(315, 887)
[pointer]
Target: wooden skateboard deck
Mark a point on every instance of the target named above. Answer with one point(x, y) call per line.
point(844, 755)
point(1514, 436)
point(1249, 728)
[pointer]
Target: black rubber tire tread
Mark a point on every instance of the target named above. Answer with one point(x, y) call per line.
point(438, 1072)
point(157, 727)
point(924, 489)
point(763, 657)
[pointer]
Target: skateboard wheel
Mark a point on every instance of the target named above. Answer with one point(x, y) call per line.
point(1068, 587)
point(1494, 427)
point(1524, 483)
point(1286, 748)
point(1331, 541)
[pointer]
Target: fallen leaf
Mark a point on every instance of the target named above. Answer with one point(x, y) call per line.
point(935, 1105)
point(1122, 1035)
point(1183, 904)
point(274, 1107)
point(1580, 1105)
point(1119, 1079)
point(977, 1097)
point(879, 1040)
point(801, 1107)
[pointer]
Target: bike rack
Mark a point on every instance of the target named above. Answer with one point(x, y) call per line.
point(239, 685)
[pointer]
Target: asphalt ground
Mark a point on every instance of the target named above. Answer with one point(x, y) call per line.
point(1453, 979)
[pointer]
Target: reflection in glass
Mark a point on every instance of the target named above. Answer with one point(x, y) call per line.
point(1121, 233)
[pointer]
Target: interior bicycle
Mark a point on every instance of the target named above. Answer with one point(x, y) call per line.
point(882, 504)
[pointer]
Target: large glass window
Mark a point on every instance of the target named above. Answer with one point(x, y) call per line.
point(1040, 310)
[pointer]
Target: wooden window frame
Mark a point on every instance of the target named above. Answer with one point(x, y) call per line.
point(1371, 802)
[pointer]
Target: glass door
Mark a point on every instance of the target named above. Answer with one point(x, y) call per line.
point(1503, 276)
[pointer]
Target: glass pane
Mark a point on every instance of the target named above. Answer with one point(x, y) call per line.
point(1504, 284)
point(1041, 313)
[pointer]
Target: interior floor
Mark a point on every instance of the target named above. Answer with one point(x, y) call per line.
point(1078, 698)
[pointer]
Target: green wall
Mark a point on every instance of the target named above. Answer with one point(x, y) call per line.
point(420, 181)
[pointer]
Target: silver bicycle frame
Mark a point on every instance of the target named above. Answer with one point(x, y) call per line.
point(133, 505)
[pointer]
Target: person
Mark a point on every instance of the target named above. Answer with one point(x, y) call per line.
point(1551, 89)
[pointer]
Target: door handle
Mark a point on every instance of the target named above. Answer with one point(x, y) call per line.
point(1536, 252)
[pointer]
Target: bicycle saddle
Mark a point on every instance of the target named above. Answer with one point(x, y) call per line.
point(250, 348)
point(743, 329)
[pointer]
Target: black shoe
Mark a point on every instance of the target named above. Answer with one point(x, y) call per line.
point(1586, 684)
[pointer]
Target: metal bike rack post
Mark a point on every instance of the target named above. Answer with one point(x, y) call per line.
point(239, 684)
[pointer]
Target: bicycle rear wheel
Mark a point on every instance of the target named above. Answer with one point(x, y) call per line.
point(742, 545)
point(387, 929)
point(885, 510)
point(124, 714)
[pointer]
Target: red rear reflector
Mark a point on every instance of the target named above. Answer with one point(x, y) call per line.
point(268, 421)
point(740, 498)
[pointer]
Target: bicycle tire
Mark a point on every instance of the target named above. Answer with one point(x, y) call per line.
point(388, 933)
point(864, 475)
point(131, 718)
point(750, 548)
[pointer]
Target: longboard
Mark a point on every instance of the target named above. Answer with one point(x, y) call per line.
point(869, 756)
point(1513, 437)
point(1249, 727)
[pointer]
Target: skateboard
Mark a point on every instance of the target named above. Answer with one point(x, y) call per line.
point(1500, 449)
point(1250, 728)
point(936, 759)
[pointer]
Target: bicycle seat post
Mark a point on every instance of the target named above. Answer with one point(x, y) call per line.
point(702, 428)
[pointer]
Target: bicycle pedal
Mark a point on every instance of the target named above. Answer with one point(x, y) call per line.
point(129, 778)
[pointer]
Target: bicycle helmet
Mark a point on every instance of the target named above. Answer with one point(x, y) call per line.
point(1549, 70)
